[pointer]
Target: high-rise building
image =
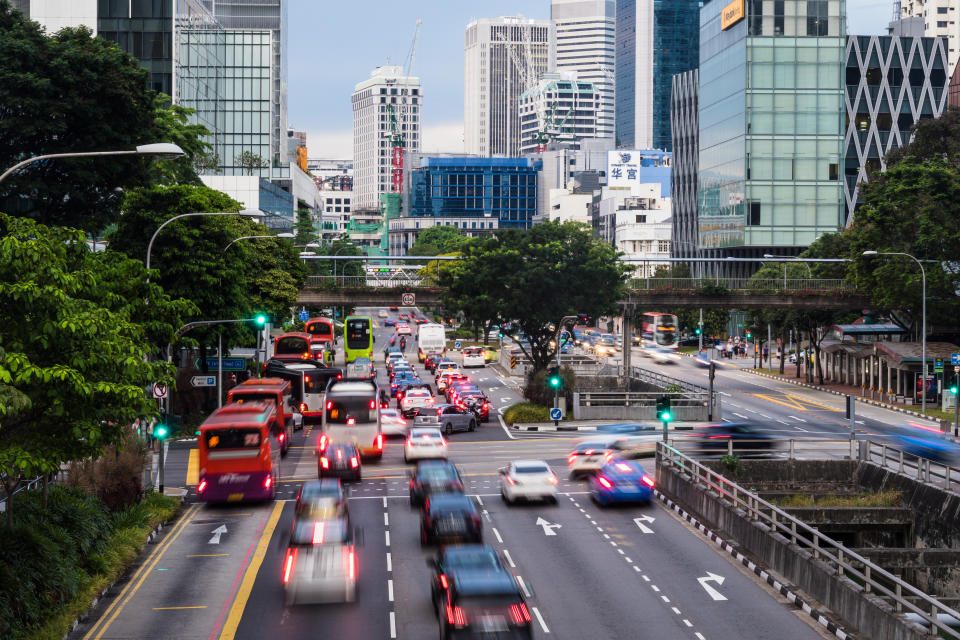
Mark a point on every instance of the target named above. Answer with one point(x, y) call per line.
point(503, 58)
point(655, 40)
point(686, 157)
point(557, 110)
point(385, 104)
point(939, 19)
point(586, 44)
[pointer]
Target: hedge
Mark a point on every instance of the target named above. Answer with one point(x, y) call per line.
point(526, 412)
point(57, 558)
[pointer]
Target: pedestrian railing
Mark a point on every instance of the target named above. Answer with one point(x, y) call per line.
point(370, 280)
point(740, 284)
point(922, 468)
point(842, 560)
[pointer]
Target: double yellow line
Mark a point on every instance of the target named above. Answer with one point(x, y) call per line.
point(138, 578)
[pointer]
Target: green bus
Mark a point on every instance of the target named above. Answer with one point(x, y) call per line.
point(358, 338)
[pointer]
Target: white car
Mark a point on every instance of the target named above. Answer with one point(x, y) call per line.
point(415, 399)
point(404, 330)
point(321, 563)
point(588, 456)
point(528, 480)
point(382, 314)
point(423, 443)
point(446, 365)
point(473, 357)
point(392, 423)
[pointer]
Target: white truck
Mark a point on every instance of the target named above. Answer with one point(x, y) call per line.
point(431, 337)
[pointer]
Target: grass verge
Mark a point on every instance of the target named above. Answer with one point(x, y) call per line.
point(880, 499)
point(526, 412)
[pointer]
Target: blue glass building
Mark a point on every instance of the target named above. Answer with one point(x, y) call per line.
point(655, 39)
point(500, 188)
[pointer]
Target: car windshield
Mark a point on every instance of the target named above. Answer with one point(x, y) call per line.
point(432, 473)
point(597, 447)
point(531, 468)
point(310, 531)
point(450, 502)
point(418, 393)
point(425, 433)
point(488, 601)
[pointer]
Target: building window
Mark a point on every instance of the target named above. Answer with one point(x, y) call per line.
point(641, 219)
point(942, 24)
point(663, 246)
point(754, 213)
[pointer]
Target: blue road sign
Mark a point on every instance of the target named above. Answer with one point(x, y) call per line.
point(456, 345)
point(556, 413)
point(304, 315)
point(955, 359)
point(229, 364)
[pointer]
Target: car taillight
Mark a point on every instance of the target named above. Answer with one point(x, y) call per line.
point(303, 407)
point(604, 482)
point(339, 376)
point(443, 582)
point(486, 406)
point(329, 405)
point(267, 482)
point(510, 480)
point(456, 617)
point(647, 480)
point(323, 442)
point(373, 404)
point(352, 565)
point(283, 437)
point(399, 395)
point(351, 421)
point(379, 442)
point(201, 486)
point(519, 613)
point(288, 564)
point(439, 412)
point(353, 462)
point(553, 479)
point(324, 462)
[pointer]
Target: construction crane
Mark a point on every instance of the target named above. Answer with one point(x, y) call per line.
point(399, 118)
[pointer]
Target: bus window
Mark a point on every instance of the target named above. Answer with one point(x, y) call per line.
point(291, 345)
point(233, 439)
point(269, 398)
point(351, 410)
point(320, 328)
point(358, 333)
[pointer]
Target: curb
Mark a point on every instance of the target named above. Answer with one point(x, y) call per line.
point(85, 616)
point(773, 582)
point(522, 427)
point(875, 403)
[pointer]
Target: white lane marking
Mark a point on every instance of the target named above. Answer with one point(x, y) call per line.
point(479, 499)
point(724, 393)
point(687, 622)
point(506, 554)
point(763, 415)
point(699, 636)
point(740, 415)
point(675, 610)
point(655, 587)
point(393, 625)
point(503, 425)
point(386, 519)
point(801, 429)
point(543, 625)
point(523, 585)
point(750, 410)
point(389, 562)
point(725, 419)
point(636, 568)
point(384, 501)
point(497, 534)
point(390, 590)
point(782, 421)
point(627, 558)
point(665, 598)
point(387, 537)
point(797, 419)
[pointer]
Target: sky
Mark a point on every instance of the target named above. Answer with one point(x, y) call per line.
point(334, 44)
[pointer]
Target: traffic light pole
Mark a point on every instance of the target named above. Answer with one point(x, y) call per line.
point(163, 455)
point(700, 325)
point(712, 373)
point(956, 401)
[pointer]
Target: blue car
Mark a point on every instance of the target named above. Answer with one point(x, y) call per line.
point(621, 481)
point(389, 322)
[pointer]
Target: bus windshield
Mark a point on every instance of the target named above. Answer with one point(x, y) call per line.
point(320, 328)
point(351, 410)
point(358, 333)
point(292, 345)
point(270, 398)
point(232, 438)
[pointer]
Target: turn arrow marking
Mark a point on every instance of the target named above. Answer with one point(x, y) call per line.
point(548, 527)
point(712, 577)
point(219, 531)
point(639, 522)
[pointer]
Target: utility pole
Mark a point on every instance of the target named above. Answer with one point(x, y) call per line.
point(700, 324)
point(712, 374)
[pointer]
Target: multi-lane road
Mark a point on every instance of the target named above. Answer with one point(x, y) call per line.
point(589, 572)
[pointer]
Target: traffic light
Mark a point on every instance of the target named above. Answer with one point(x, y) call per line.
point(697, 331)
point(261, 319)
point(663, 409)
point(500, 335)
point(583, 318)
point(160, 431)
point(749, 334)
point(953, 387)
point(554, 381)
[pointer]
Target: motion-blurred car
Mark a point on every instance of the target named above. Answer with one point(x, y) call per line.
point(431, 359)
point(403, 329)
point(478, 403)
point(473, 357)
point(475, 595)
point(605, 345)
point(587, 457)
point(924, 442)
point(320, 564)
point(458, 388)
point(389, 322)
point(361, 368)
point(340, 460)
point(443, 365)
point(455, 418)
point(382, 314)
point(432, 477)
point(528, 480)
point(415, 398)
point(621, 481)
point(449, 517)
point(743, 437)
point(320, 499)
point(392, 423)
point(423, 443)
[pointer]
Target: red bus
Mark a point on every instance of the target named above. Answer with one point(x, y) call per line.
point(279, 395)
point(292, 346)
point(237, 460)
point(660, 330)
point(320, 329)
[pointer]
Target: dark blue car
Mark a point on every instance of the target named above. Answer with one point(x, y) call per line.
point(621, 481)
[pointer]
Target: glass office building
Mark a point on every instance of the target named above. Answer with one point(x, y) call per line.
point(501, 189)
point(771, 116)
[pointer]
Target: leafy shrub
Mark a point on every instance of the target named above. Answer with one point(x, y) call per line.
point(526, 412)
point(539, 392)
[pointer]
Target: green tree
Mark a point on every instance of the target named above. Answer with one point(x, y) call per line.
point(251, 162)
point(72, 355)
point(933, 139)
point(439, 240)
point(171, 124)
point(304, 232)
point(533, 278)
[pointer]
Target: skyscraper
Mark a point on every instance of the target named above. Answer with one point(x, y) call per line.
point(586, 43)
point(655, 39)
point(386, 100)
point(557, 109)
point(503, 58)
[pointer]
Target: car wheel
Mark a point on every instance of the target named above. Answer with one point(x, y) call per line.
point(448, 428)
point(473, 426)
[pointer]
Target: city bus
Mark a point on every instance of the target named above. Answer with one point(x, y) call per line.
point(659, 330)
point(320, 330)
point(237, 459)
point(292, 346)
point(352, 414)
point(358, 338)
point(308, 382)
point(276, 392)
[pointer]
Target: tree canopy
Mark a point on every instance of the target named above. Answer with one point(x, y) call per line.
point(531, 279)
point(439, 240)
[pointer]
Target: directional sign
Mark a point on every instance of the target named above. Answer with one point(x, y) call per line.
point(204, 381)
point(304, 315)
point(159, 390)
point(229, 364)
point(955, 359)
point(219, 531)
point(556, 413)
point(408, 300)
point(938, 364)
point(457, 345)
point(712, 577)
point(639, 522)
point(548, 527)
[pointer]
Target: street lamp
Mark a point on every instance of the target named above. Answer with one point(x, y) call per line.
point(279, 235)
point(162, 149)
point(923, 337)
point(249, 213)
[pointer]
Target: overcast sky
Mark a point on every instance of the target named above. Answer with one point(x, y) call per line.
point(335, 45)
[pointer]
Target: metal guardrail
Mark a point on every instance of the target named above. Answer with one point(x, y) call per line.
point(741, 284)
point(655, 378)
point(370, 280)
point(637, 399)
point(844, 561)
point(26, 486)
point(899, 461)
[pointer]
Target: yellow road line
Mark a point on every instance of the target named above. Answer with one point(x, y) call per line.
point(136, 581)
point(177, 608)
point(206, 555)
point(250, 576)
point(193, 468)
point(795, 402)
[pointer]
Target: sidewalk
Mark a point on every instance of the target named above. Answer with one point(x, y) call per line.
point(862, 396)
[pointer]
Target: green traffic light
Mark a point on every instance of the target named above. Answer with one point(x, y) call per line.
point(666, 417)
point(554, 382)
point(261, 319)
point(953, 389)
point(697, 331)
point(160, 431)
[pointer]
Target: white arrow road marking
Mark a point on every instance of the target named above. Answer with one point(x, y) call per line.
point(219, 531)
point(639, 522)
point(548, 527)
point(712, 577)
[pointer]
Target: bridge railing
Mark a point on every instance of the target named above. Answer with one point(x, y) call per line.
point(740, 284)
point(369, 280)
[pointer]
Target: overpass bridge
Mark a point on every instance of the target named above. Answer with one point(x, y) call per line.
point(387, 289)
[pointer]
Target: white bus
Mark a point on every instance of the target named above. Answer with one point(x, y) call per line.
point(352, 414)
point(432, 337)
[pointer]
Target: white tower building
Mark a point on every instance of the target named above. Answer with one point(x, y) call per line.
point(586, 43)
point(385, 100)
point(503, 58)
point(940, 19)
point(558, 109)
